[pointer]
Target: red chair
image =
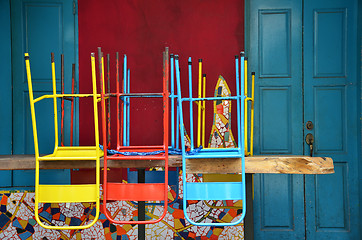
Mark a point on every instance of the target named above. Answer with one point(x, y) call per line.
point(120, 191)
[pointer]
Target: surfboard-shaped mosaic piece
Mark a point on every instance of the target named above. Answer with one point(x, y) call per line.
point(221, 135)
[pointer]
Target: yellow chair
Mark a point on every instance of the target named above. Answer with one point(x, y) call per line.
point(65, 193)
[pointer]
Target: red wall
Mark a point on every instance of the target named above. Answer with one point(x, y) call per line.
point(211, 30)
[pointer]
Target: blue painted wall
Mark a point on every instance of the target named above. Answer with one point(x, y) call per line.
point(6, 92)
point(5, 69)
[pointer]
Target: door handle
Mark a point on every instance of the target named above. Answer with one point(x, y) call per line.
point(309, 139)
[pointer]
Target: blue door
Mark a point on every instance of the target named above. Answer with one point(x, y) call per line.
point(39, 27)
point(330, 102)
point(304, 56)
point(275, 54)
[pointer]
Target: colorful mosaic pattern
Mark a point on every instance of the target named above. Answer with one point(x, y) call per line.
point(221, 135)
point(17, 220)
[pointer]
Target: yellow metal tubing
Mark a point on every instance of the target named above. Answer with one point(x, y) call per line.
point(63, 95)
point(54, 102)
point(96, 133)
point(199, 106)
point(203, 110)
point(65, 193)
point(251, 99)
point(32, 109)
point(252, 114)
point(35, 133)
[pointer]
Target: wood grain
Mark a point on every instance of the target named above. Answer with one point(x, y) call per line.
point(256, 164)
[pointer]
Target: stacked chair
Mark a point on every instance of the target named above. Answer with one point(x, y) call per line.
point(47, 193)
point(122, 191)
point(212, 190)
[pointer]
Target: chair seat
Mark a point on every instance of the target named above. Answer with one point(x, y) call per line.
point(73, 153)
point(136, 191)
point(68, 193)
point(214, 191)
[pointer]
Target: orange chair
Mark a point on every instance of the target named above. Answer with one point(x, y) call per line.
point(120, 191)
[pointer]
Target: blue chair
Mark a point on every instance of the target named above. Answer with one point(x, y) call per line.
point(213, 190)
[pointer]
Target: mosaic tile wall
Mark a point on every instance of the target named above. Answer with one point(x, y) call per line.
point(17, 220)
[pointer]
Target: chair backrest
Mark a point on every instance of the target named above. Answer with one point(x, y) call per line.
point(54, 96)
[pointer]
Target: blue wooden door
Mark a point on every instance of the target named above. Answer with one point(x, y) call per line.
point(275, 54)
point(330, 102)
point(294, 85)
point(39, 27)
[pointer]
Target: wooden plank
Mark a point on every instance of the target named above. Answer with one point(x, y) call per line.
point(255, 164)
point(290, 164)
point(263, 164)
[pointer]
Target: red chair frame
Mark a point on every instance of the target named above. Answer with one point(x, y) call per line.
point(117, 191)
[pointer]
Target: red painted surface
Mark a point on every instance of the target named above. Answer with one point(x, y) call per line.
point(136, 191)
point(211, 30)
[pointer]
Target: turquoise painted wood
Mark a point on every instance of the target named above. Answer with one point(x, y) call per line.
point(359, 79)
point(328, 97)
point(330, 90)
point(6, 93)
point(39, 28)
point(275, 54)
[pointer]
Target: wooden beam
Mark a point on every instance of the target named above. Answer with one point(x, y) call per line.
point(290, 164)
point(255, 164)
point(263, 164)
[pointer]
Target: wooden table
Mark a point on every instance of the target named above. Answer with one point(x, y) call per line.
point(255, 164)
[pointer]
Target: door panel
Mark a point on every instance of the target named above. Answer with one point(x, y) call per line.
point(281, 206)
point(332, 196)
point(39, 28)
point(274, 30)
point(275, 55)
point(275, 120)
point(330, 131)
point(330, 90)
point(330, 42)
